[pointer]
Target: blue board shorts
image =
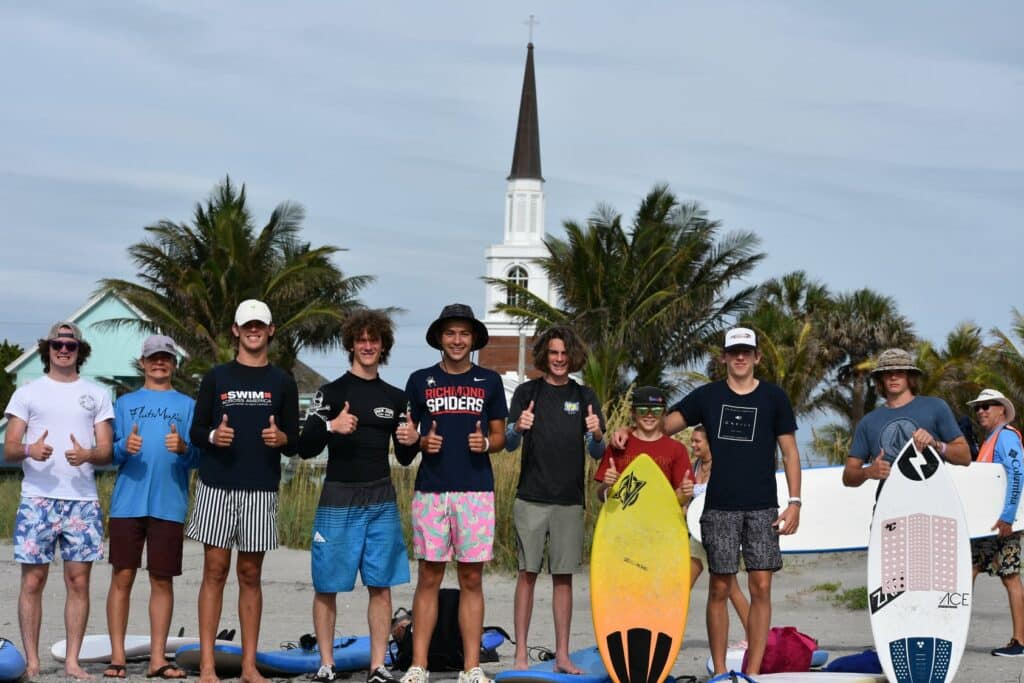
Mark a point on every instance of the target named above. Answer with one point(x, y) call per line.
point(357, 529)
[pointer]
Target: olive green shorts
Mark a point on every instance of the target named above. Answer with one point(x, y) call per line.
point(560, 526)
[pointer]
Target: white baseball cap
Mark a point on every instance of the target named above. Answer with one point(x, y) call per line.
point(740, 336)
point(252, 309)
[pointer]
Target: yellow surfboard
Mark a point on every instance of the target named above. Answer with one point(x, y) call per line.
point(640, 576)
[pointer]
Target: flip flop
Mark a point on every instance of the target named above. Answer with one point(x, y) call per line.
point(118, 671)
point(166, 669)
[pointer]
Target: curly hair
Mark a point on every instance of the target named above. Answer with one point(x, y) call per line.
point(83, 354)
point(374, 323)
point(574, 347)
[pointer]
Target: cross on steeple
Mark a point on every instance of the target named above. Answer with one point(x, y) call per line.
point(530, 23)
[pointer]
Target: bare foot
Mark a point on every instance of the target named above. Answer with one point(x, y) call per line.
point(76, 672)
point(520, 664)
point(208, 677)
point(565, 666)
point(31, 671)
point(252, 676)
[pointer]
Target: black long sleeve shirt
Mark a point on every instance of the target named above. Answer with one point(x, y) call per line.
point(248, 396)
point(362, 455)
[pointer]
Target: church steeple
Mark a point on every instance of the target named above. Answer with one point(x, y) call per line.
point(516, 257)
point(526, 155)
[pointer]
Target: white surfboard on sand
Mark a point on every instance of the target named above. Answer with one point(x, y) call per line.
point(919, 571)
point(96, 648)
point(836, 518)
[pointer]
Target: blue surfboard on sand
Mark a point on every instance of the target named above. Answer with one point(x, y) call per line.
point(588, 659)
point(351, 653)
point(12, 664)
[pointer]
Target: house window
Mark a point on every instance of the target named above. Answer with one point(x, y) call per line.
point(517, 276)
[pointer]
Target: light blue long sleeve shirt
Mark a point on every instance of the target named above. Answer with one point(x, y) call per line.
point(1008, 453)
point(154, 482)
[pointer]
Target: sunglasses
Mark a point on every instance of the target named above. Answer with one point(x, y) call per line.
point(985, 406)
point(58, 345)
point(644, 411)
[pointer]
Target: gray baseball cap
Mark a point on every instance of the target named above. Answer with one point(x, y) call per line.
point(158, 343)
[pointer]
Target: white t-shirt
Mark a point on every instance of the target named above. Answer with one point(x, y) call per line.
point(62, 409)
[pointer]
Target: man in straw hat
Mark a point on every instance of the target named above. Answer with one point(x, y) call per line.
point(999, 555)
point(882, 433)
point(460, 409)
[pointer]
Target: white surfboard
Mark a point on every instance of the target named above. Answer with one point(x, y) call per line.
point(837, 518)
point(919, 571)
point(96, 648)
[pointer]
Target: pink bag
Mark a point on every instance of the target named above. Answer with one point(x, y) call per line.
point(787, 650)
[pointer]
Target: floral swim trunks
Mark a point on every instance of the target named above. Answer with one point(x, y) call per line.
point(997, 556)
point(43, 522)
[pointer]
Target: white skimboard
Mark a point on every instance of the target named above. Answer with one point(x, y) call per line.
point(734, 659)
point(837, 518)
point(96, 648)
point(919, 571)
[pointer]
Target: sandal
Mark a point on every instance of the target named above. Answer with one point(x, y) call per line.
point(115, 671)
point(164, 671)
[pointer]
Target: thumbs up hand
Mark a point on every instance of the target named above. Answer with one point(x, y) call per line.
point(173, 441)
point(478, 443)
point(133, 444)
point(611, 475)
point(406, 432)
point(77, 455)
point(686, 486)
point(272, 436)
point(345, 422)
point(223, 435)
point(431, 443)
point(39, 449)
point(525, 420)
point(593, 423)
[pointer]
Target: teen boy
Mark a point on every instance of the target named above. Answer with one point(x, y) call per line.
point(461, 410)
point(746, 420)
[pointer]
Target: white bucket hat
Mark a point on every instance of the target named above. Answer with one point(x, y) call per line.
point(993, 396)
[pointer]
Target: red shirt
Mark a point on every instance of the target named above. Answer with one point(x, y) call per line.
point(670, 455)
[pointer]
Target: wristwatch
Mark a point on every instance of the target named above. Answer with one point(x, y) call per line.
point(795, 500)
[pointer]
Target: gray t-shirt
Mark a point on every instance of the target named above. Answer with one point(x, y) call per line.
point(891, 428)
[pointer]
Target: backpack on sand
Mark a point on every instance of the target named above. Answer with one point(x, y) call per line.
point(445, 653)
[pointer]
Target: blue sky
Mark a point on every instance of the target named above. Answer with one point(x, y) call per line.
point(871, 144)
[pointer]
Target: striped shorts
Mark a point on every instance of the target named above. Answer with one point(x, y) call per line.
point(226, 518)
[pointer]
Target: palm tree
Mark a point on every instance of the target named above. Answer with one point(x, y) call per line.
point(785, 317)
point(858, 327)
point(645, 298)
point(1008, 361)
point(192, 277)
point(959, 371)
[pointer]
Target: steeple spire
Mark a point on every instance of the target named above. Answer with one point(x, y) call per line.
point(526, 155)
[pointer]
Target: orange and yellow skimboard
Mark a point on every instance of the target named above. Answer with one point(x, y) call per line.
point(640, 576)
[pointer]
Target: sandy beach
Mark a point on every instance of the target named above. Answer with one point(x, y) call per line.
point(288, 597)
